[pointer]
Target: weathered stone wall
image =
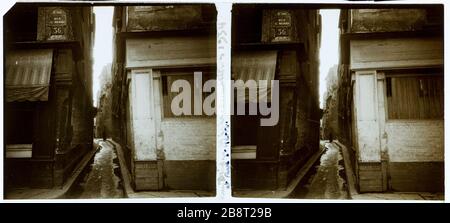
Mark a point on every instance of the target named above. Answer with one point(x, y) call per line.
point(104, 117)
point(330, 114)
point(164, 17)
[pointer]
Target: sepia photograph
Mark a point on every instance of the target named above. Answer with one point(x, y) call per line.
point(223, 101)
point(342, 103)
point(109, 101)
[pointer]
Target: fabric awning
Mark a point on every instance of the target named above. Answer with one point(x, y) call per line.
point(28, 74)
point(255, 65)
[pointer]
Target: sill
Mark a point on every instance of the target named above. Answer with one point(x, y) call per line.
point(412, 120)
point(189, 118)
point(72, 44)
point(244, 152)
point(270, 46)
point(19, 150)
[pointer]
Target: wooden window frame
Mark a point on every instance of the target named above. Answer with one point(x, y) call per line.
point(425, 73)
point(164, 72)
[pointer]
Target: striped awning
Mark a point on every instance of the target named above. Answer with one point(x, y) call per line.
point(255, 65)
point(28, 74)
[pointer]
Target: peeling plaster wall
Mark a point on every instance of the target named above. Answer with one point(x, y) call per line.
point(387, 20)
point(396, 53)
point(189, 138)
point(415, 141)
point(143, 120)
point(164, 17)
point(367, 120)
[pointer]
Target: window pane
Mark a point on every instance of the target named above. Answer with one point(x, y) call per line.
point(19, 120)
point(415, 96)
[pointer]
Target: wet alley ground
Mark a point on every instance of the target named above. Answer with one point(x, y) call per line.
point(326, 179)
point(101, 179)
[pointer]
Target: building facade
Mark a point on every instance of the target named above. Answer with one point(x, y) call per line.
point(330, 106)
point(281, 43)
point(103, 117)
point(48, 93)
point(154, 47)
point(391, 97)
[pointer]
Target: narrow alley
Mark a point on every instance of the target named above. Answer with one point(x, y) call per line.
point(326, 180)
point(102, 178)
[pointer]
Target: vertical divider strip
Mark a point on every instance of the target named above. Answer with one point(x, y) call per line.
point(223, 82)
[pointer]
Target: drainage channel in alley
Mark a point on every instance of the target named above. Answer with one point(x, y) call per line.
point(101, 178)
point(326, 179)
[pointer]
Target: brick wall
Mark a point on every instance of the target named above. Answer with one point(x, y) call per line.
point(416, 155)
point(186, 153)
point(415, 141)
point(188, 138)
point(416, 152)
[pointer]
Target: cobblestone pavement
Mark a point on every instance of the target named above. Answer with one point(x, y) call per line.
point(326, 180)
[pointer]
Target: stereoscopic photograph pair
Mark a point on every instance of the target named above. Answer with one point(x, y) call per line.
point(326, 101)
